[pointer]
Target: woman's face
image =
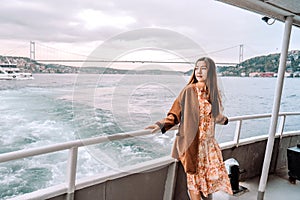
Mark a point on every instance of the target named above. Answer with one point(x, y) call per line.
point(201, 71)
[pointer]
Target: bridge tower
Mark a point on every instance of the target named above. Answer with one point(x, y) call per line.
point(32, 50)
point(241, 54)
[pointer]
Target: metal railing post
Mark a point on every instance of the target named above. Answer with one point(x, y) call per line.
point(171, 181)
point(71, 172)
point(237, 133)
point(281, 125)
point(280, 129)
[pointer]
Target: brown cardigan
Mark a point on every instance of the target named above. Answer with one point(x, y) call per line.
point(185, 110)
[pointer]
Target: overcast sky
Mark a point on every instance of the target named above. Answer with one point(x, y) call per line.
point(65, 29)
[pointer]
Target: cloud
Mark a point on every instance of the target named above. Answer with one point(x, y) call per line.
point(55, 20)
point(93, 19)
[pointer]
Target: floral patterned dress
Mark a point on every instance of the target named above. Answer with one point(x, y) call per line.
point(211, 173)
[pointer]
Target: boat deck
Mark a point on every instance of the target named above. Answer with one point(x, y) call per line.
point(278, 188)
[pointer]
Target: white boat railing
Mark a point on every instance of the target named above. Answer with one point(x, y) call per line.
point(73, 146)
point(239, 121)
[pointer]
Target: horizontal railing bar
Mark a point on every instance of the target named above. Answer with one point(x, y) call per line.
point(247, 117)
point(253, 139)
point(258, 116)
point(44, 193)
point(23, 153)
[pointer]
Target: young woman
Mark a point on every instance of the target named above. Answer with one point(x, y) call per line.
point(197, 109)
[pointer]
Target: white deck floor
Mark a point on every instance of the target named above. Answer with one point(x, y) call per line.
point(278, 188)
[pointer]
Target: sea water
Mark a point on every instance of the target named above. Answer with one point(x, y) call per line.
point(55, 108)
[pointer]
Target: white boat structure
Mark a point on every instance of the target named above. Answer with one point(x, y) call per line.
point(164, 178)
point(4, 75)
point(9, 71)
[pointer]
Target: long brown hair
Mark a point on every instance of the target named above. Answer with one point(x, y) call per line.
point(211, 84)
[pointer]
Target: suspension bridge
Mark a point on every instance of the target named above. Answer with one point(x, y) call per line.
point(63, 56)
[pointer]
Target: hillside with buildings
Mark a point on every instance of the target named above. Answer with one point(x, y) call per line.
point(26, 64)
point(264, 66)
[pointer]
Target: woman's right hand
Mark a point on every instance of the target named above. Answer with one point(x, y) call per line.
point(155, 128)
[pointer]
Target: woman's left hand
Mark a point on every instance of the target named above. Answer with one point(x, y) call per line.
point(155, 128)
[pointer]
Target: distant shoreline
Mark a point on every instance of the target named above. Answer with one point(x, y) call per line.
point(259, 66)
